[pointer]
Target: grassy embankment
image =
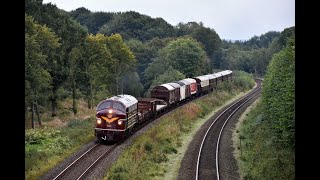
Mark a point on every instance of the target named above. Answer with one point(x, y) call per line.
point(158, 152)
point(58, 138)
point(258, 156)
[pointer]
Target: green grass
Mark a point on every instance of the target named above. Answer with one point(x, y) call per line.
point(45, 147)
point(158, 152)
point(259, 157)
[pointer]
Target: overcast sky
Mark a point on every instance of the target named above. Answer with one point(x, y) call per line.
point(231, 19)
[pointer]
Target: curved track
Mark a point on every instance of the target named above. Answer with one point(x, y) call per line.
point(207, 166)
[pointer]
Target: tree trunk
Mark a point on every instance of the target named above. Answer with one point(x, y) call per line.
point(36, 106)
point(89, 89)
point(54, 102)
point(90, 97)
point(117, 85)
point(25, 109)
point(88, 101)
point(74, 105)
point(32, 115)
point(38, 115)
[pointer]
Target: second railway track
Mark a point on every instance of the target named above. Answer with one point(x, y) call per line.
point(207, 166)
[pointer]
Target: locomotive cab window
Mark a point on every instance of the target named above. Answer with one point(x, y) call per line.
point(118, 106)
point(104, 105)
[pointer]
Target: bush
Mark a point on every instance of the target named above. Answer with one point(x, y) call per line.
point(262, 157)
point(243, 79)
point(278, 96)
point(45, 147)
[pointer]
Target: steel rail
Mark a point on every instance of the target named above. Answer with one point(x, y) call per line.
point(205, 136)
point(97, 160)
point(68, 167)
point(222, 128)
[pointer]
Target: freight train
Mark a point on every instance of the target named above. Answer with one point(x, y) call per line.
point(118, 116)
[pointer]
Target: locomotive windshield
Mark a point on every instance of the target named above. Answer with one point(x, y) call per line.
point(104, 105)
point(118, 106)
point(111, 104)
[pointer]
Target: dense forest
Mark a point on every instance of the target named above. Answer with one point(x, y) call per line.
point(92, 55)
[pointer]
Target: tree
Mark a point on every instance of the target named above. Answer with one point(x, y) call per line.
point(262, 41)
point(184, 55)
point(278, 95)
point(131, 84)
point(285, 35)
point(39, 41)
point(104, 61)
point(169, 75)
point(71, 35)
point(132, 25)
point(206, 36)
point(96, 65)
point(93, 21)
point(75, 57)
point(124, 57)
point(143, 54)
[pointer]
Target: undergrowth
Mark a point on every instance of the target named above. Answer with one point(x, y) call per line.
point(260, 156)
point(46, 146)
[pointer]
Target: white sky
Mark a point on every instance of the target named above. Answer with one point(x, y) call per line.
point(231, 19)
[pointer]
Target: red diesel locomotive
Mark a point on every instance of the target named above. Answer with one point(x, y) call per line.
point(115, 117)
point(119, 115)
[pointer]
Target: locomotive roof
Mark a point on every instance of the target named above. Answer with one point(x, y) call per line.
point(175, 85)
point(190, 80)
point(126, 99)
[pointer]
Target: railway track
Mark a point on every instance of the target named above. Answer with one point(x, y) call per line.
point(207, 166)
point(78, 168)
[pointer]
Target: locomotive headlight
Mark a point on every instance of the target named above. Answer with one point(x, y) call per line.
point(110, 111)
point(98, 121)
point(119, 122)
